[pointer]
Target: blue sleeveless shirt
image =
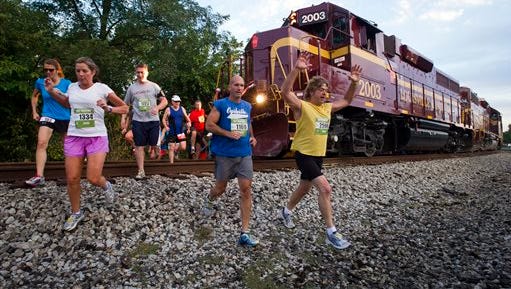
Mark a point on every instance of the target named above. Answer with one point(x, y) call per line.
point(176, 121)
point(233, 117)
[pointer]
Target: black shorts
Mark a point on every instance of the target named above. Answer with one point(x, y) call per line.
point(200, 137)
point(173, 138)
point(57, 125)
point(310, 166)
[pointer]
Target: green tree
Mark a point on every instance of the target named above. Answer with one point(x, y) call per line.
point(25, 37)
point(507, 135)
point(178, 39)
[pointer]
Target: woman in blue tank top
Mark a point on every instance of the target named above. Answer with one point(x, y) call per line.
point(53, 117)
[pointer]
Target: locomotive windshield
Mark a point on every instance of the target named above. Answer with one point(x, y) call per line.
point(340, 33)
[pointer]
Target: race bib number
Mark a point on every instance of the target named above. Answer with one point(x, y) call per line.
point(201, 119)
point(144, 104)
point(321, 126)
point(47, 119)
point(85, 117)
point(240, 125)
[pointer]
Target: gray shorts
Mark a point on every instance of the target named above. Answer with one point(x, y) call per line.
point(227, 168)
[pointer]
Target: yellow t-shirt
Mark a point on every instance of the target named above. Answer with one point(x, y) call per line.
point(312, 129)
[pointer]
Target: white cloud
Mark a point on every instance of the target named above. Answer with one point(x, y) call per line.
point(442, 15)
point(267, 14)
point(449, 10)
point(463, 3)
point(404, 11)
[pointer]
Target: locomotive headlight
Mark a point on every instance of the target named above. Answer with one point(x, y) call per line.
point(260, 98)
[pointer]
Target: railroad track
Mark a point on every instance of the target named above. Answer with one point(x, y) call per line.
point(18, 172)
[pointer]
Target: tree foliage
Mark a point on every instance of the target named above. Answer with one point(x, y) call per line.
point(507, 135)
point(25, 35)
point(179, 40)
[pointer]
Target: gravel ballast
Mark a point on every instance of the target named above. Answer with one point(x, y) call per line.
point(430, 224)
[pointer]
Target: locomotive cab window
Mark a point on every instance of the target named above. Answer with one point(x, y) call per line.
point(340, 35)
point(367, 39)
point(366, 35)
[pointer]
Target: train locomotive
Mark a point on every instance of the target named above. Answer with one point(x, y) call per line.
point(404, 103)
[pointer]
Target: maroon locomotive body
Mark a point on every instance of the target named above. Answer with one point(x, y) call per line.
point(404, 102)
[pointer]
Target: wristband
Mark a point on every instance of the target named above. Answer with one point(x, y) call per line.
point(110, 108)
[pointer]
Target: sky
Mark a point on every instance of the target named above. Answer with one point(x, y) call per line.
point(467, 39)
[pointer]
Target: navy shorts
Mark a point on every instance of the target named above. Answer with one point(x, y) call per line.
point(145, 133)
point(57, 125)
point(310, 166)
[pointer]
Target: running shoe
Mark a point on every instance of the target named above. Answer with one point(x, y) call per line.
point(286, 219)
point(335, 239)
point(140, 175)
point(110, 193)
point(207, 207)
point(246, 240)
point(35, 181)
point(72, 221)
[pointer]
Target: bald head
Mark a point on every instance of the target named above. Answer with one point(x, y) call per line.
point(236, 87)
point(236, 78)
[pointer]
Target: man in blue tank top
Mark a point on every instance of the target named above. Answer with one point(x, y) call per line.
point(174, 120)
point(233, 138)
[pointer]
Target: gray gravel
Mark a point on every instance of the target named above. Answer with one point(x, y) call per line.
point(434, 224)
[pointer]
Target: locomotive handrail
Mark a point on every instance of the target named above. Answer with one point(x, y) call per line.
point(280, 63)
point(335, 28)
point(275, 90)
point(319, 53)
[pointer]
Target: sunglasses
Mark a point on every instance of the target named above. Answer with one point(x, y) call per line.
point(49, 69)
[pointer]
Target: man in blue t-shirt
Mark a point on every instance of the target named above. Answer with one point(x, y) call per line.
point(233, 138)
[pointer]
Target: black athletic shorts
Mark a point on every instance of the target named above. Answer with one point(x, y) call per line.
point(309, 166)
point(200, 138)
point(57, 125)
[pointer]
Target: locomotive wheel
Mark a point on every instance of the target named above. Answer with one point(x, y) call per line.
point(370, 150)
point(371, 145)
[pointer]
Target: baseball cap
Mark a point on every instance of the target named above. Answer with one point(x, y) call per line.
point(176, 98)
